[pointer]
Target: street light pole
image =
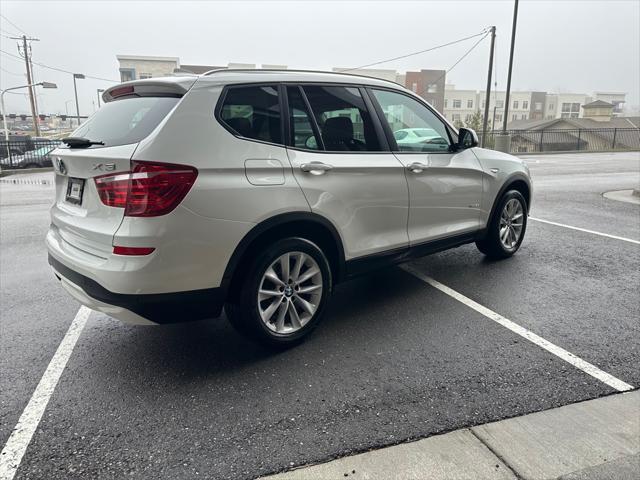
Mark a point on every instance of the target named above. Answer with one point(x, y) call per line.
point(75, 89)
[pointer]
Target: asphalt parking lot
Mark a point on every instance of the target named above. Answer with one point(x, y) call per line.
point(395, 359)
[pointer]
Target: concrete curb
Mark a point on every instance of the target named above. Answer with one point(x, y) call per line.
point(585, 440)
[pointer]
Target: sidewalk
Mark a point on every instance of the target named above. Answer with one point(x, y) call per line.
point(596, 439)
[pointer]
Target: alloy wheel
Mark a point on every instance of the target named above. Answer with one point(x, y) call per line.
point(511, 223)
point(290, 292)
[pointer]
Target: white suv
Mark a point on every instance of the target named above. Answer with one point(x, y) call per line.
point(260, 190)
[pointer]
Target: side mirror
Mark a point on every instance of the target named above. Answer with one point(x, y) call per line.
point(467, 138)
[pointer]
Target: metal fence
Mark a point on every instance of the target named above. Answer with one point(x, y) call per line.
point(570, 140)
point(26, 152)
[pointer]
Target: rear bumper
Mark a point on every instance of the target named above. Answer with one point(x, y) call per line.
point(160, 308)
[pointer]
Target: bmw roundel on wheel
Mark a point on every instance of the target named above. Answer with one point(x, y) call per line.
point(256, 192)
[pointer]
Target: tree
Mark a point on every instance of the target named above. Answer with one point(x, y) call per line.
point(458, 124)
point(475, 122)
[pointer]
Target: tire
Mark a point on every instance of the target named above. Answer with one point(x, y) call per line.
point(492, 245)
point(283, 316)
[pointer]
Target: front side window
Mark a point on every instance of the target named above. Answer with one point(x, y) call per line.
point(343, 119)
point(425, 131)
point(253, 112)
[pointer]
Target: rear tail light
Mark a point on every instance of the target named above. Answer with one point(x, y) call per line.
point(149, 190)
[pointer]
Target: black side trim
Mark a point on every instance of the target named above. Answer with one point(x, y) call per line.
point(361, 265)
point(158, 307)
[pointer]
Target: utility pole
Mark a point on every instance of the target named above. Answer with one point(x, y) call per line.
point(488, 94)
point(513, 42)
point(75, 89)
point(27, 62)
point(35, 95)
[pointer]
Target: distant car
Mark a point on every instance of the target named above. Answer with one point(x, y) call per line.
point(35, 158)
point(420, 139)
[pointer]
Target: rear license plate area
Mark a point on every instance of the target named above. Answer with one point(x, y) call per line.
point(75, 189)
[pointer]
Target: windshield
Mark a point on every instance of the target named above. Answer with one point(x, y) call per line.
point(126, 121)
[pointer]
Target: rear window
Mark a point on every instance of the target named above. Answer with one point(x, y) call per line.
point(253, 112)
point(126, 121)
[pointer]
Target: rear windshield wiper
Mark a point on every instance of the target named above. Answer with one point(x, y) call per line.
point(80, 142)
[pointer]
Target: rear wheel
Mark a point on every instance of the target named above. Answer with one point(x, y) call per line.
point(507, 227)
point(283, 294)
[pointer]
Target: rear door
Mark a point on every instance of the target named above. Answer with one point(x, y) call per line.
point(445, 186)
point(340, 159)
point(80, 217)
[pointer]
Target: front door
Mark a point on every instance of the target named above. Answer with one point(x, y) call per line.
point(339, 159)
point(445, 186)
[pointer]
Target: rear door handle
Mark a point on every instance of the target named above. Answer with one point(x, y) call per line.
point(417, 167)
point(316, 168)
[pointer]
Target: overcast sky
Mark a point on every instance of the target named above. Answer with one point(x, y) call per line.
point(567, 46)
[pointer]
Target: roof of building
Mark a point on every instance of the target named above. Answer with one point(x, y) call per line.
point(564, 123)
point(597, 103)
point(148, 58)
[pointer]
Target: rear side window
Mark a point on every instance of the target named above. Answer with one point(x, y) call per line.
point(302, 133)
point(344, 121)
point(126, 121)
point(253, 112)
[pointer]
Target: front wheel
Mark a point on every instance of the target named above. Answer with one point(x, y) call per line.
point(506, 228)
point(283, 294)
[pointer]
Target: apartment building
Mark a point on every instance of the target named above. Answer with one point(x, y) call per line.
point(459, 105)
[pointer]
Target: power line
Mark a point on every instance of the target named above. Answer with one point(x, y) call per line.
point(458, 61)
point(416, 53)
point(12, 73)
point(13, 24)
point(61, 69)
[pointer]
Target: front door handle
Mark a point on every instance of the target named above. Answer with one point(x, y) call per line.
point(316, 168)
point(417, 167)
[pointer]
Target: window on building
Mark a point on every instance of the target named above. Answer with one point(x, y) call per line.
point(144, 75)
point(523, 116)
point(551, 106)
point(467, 118)
point(514, 116)
point(570, 110)
point(499, 117)
point(457, 104)
point(127, 74)
point(342, 116)
point(499, 103)
point(432, 88)
point(302, 132)
point(469, 103)
point(414, 87)
point(525, 104)
point(455, 117)
point(253, 112)
point(515, 104)
point(446, 103)
point(414, 126)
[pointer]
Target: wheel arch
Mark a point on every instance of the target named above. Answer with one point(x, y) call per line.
point(517, 182)
point(310, 226)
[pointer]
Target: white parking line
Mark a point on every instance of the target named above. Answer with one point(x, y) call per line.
point(21, 435)
point(559, 352)
point(624, 239)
